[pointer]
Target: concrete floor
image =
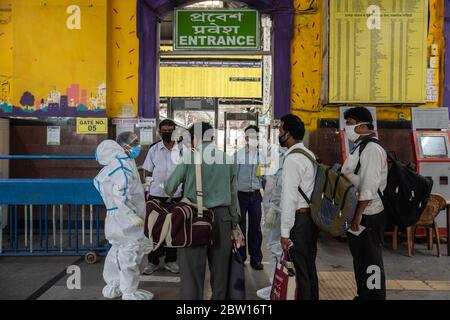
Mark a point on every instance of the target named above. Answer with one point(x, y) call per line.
point(422, 277)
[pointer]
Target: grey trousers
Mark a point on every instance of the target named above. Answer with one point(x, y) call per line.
point(192, 261)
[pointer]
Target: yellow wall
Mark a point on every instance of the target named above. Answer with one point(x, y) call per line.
point(307, 65)
point(6, 51)
point(123, 56)
point(48, 55)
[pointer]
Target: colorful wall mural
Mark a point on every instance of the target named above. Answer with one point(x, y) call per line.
point(58, 67)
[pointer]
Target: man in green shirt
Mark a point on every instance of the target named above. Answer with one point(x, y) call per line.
point(219, 184)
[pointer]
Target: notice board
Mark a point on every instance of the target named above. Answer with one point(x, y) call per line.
point(378, 51)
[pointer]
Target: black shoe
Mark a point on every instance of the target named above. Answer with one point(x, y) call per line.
point(257, 265)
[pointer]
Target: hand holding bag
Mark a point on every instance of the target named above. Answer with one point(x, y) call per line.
point(284, 284)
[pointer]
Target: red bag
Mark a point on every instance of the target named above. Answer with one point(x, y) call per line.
point(189, 226)
point(157, 225)
point(180, 225)
point(284, 286)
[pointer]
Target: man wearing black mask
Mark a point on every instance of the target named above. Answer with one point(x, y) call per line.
point(160, 162)
point(298, 231)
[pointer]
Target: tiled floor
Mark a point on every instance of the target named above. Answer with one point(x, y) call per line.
point(422, 277)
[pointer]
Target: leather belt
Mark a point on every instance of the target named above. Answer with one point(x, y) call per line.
point(251, 192)
point(303, 210)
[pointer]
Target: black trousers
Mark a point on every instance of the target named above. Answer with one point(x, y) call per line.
point(170, 253)
point(251, 203)
point(367, 252)
point(303, 253)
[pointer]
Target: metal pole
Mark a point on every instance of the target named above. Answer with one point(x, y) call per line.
point(31, 228)
point(216, 113)
point(54, 226)
point(25, 216)
point(16, 229)
point(1, 229)
point(91, 223)
point(76, 228)
point(225, 133)
point(68, 227)
point(98, 226)
point(83, 227)
point(40, 225)
point(46, 228)
point(61, 226)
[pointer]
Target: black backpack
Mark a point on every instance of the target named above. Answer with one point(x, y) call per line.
point(407, 192)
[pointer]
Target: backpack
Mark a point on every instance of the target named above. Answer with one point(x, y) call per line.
point(407, 192)
point(334, 198)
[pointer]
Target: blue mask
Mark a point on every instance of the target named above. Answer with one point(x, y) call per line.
point(135, 151)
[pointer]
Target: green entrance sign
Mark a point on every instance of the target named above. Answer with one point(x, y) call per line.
point(216, 29)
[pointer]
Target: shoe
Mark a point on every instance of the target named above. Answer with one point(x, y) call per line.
point(150, 268)
point(111, 292)
point(264, 293)
point(138, 295)
point(257, 265)
point(172, 267)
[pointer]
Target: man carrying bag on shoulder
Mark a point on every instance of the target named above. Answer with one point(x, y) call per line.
point(219, 185)
point(367, 168)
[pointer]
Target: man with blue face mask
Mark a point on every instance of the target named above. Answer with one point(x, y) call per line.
point(121, 189)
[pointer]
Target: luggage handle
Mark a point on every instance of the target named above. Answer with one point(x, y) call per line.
point(198, 183)
point(285, 259)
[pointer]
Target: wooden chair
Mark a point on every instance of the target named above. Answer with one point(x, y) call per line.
point(436, 204)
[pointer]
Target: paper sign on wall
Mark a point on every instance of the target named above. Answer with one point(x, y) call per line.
point(146, 136)
point(54, 136)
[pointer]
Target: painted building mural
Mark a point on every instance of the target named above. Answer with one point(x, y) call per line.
point(58, 68)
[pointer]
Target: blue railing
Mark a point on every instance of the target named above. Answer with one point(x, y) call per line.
point(60, 216)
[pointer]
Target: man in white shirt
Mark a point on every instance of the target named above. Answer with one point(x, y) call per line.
point(160, 162)
point(298, 231)
point(367, 169)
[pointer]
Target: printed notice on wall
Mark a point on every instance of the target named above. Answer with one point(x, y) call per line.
point(146, 136)
point(54, 136)
point(378, 51)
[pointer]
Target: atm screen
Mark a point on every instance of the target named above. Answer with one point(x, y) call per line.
point(433, 146)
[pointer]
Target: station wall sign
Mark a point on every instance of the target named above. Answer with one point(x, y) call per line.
point(221, 29)
point(92, 125)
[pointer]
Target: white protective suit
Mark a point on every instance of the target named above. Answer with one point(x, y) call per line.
point(272, 200)
point(120, 186)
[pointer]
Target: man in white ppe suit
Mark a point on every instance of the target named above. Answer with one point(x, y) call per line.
point(272, 219)
point(120, 186)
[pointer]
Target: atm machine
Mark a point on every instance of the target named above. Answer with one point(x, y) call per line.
point(346, 145)
point(431, 149)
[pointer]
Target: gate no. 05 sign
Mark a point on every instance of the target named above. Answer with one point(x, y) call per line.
point(92, 125)
point(217, 29)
